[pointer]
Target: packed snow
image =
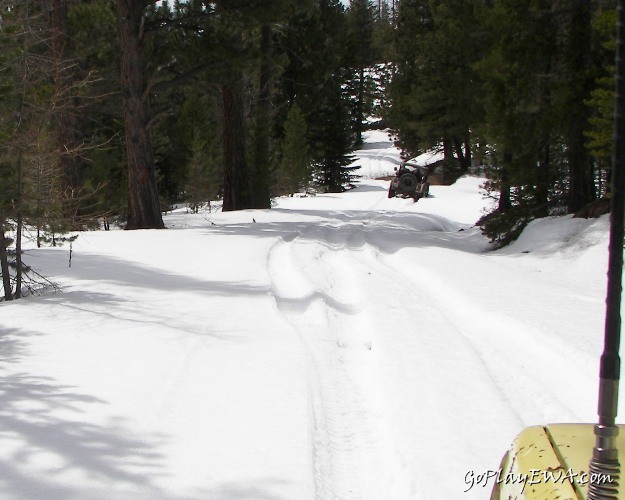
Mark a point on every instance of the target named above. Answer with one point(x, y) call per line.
point(338, 346)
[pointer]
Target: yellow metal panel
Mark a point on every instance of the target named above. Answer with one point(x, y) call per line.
point(531, 470)
point(574, 443)
point(550, 462)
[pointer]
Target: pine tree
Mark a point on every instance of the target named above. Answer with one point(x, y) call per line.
point(519, 111)
point(294, 170)
point(577, 87)
point(434, 97)
point(99, 117)
point(601, 103)
point(144, 210)
point(543, 78)
point(315, 77)
point(32, 178)
point(361, 55)
point(332, 139)
point(263, 122)
point(236, 195)
point(203, 176)
point(246, 36)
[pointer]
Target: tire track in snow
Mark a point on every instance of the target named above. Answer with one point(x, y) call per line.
point(377, 418)
point(317, 292)
point(329, 283)
point(430, 425)
point(488, 343)
point(527, 393)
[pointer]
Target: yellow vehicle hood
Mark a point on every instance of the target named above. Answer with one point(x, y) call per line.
point(550, 462)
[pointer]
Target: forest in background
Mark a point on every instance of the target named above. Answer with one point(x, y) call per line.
point(112, 111)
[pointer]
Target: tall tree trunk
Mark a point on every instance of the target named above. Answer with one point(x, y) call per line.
point(463, 152)
point(581, 182)
point(144, 211)
point(236, 194)
point(505, 202)
point(19, 218)
point(360, 106)
point(259, 191)
point(581, 185)
point(67, 127)
point(543, 168)
point(4, 261)
point(448, 150)
point(542, 180)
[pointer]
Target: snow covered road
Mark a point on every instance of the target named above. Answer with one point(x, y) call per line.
point(387, 341)
point(344, 346)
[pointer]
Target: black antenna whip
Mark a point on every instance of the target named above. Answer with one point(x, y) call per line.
point(604, 463)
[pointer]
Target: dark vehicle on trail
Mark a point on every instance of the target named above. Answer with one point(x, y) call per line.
point(410, 181)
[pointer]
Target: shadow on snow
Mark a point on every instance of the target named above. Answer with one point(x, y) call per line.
point(386, 232)
point(40, 416)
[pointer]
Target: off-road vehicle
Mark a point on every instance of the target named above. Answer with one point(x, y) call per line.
point(410, 181)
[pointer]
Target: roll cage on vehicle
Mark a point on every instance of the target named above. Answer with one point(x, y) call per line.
point(410, 181)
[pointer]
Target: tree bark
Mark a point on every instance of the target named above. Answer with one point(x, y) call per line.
point(236, 196)
point(505, 202)
point(542, 181)
point(259, 191)
point(360, 107)
point(463, 152)
point(581, 185)
point(68, 137)
point(19, 219)
point(4, 262)
point(144, 211)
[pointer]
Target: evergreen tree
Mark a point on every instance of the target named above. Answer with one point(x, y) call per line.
point(434, 94)
point(542, 68)
point(98, 114)
point(518, 86)
point(331, 139)
point(263, 122)
point(576, 88)
point(601, 102)
point(294, 170)
point(236, 195)
point(361, 55)
point(144, 210)
point(383, 34)
point(203, 179)
point(240, 36)
point(315, 77)
point(32, 179)
point(266, 15)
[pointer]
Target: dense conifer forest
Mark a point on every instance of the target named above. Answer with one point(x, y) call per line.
point(111, 111)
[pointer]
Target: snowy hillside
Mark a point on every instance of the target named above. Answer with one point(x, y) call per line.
point(341, 346)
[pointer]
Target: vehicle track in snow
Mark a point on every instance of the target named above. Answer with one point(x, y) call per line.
point(417, 362)
point(370, 323)
point(531, 397)
point(316, 290)
point(373, 355)
point(499, 359)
